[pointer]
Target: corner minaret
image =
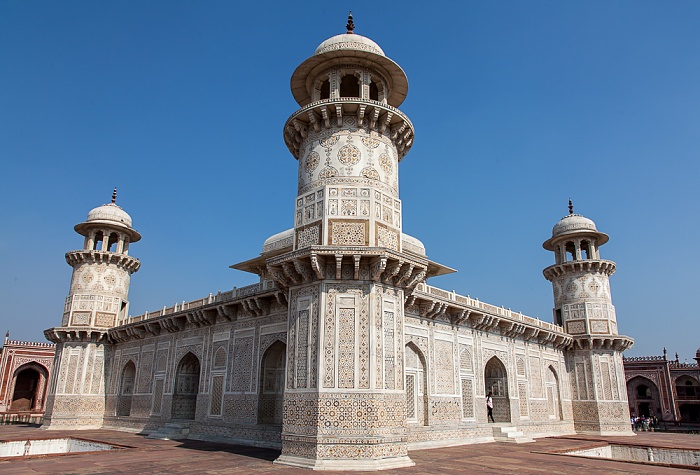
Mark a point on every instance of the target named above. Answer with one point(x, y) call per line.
point(96, 302)
point(583, 306)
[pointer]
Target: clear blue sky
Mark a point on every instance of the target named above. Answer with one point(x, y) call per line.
point(517, 107)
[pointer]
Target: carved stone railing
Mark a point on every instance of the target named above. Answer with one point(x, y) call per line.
point(439, 304)
point(219, 297)
point(28, 344)
point(255, 300)
point(643, 358)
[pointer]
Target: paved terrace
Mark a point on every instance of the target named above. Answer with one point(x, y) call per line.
point(195, 457)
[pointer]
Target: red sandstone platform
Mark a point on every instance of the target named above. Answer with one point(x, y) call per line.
point(194, 457)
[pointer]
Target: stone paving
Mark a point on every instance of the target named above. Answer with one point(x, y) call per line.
point(195, 457)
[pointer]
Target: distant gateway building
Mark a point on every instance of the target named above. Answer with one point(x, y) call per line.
point(341, 354)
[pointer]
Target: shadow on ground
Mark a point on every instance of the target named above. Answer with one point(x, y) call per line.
point(254, 452)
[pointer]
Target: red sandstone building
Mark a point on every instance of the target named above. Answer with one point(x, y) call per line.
point(667, 389)
point(25, 369)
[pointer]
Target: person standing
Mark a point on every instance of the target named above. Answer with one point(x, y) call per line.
point(489, 406)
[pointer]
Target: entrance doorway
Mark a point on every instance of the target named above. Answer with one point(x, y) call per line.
point(186, 388)
point(496, 379)
point(25, 395)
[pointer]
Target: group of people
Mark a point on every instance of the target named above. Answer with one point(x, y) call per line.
point(643, 423)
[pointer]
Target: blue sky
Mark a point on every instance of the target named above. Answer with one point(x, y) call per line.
point(517, 107)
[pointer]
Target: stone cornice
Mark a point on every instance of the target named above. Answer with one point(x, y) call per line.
point(603, 342)
point(329, 113)
point(600, 266)
point(126, 262)
point(75, 334)
point(326, 262)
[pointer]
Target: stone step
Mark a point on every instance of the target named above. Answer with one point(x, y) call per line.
point(171, 431)
point(503, 433)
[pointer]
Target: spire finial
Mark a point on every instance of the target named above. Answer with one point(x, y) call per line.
point(571, 207)
point(351, 25)
point(114, 196)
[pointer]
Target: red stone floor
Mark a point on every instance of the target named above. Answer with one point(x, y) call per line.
point(195, 457)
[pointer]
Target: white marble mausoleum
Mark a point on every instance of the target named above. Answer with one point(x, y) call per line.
point(340, 353)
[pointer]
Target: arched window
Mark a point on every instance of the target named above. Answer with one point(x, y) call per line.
point(350, 86)
point(112, 245)
point(373, 91)
point(585, 250)
point(97, 246)
point(325, 90)
point(643, 392)
point(570, 251)
point(687, 387)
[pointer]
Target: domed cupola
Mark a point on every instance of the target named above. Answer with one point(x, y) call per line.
point(324, 75)
point(108, 228)
point(575, 238)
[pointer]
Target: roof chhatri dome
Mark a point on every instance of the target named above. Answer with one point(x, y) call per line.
point(109, 214)
point(574, 223)
point(344, 49)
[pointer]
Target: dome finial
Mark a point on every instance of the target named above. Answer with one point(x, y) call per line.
point(351, 25)
point(114, 196)
point(571, 207)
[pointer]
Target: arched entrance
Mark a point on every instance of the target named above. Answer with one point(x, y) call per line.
point(643, 397)
point(27, 395)
point(271, 394)
point(126, 389)
point(186, 388)
point(496, 379)
point(416, 386)
point(551, 386)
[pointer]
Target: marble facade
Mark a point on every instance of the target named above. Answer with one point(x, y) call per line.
point(341, 354)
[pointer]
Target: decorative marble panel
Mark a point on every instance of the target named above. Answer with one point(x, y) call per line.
point(216, 394)
point(349, 233)
point(444, 367)
point(467, 398)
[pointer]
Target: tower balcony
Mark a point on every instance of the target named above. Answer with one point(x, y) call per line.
point(331, 113)
point(585, 265)
point(124, 261)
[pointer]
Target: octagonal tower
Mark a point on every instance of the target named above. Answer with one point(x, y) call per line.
point(96, 302)
point(583, 306)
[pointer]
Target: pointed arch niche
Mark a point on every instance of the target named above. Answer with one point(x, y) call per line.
point(186, 388)
point(126, 389)
point(416, 386)
point(552, 389)
point(496, 378)
point(271, 393)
